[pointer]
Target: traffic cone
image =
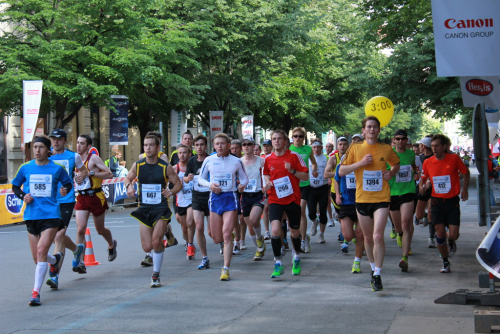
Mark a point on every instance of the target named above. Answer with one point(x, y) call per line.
point(89, 259)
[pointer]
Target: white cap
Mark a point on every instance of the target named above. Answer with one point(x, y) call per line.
point(426, 141)
point(357, 135)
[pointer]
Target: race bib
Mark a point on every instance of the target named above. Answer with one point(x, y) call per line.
point(187, 188)
point(251, 187)
point(41, 185)
point(85, 184)
point(316, 183)
point(65, 163)
point(151, 193)
point(372, 180)
point(197, 186)
point(350, 181)
point(283, 187)
point(224, 180)
point(404, 174)
point(442, 184)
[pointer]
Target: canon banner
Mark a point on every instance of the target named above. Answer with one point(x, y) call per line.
point(216, 122)
point(118, 121)
point(481, 90)
point(178, 125)
point(467, 37)
point(247, 126)
point(32, 97)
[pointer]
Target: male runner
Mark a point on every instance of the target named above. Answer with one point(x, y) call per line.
point(186, 139)
point(440, 173)
point(252, 199)
point(403, 193)
point(369, 161)
point(223, 169)
point(268, 149)
point(91, 198)
point(305, 152)
point(357, 138)
point(40, 179)
point(257, 150)
point(153, 213)
point(69, 160)
point(283, 171)
point(200, 197)
point(240, 226)
point(329, 151)
point(319, 192)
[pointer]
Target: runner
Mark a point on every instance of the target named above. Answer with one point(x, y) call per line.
point(223, 169)
point(329, 150)
point(440, 173)
point(240, 226)
point(357, 138)
point(252, 199)
point(69, 160)
point(345, 191)
point(257, 150)
point(268, 149)
point(305, 152)
point(369, 161)
point(319, 193)
point(283, 171)
point(186, 139)
point(200, 197)
point(91, 199)
point(153, 213)
point(403, 193)
point(183, 201)
point(40, 179)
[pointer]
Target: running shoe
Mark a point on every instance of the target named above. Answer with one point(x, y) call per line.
point(425, 221)
point(278, 272)
point(77, 256)
point(410, 252)
point(224, 274)
point(302, 246)
point(296, 266)
point(204, 264)
point(112, 252)
point(393, 234)
point(399, 239)
point(314, 228)
point(267, 236)
point(403, 264)
point(56, 267)
point(242, 245)
point(53, 282)
point(81, 269)
point(431, 243)
point(155, 281)
point(341, 237)
point(285, 242)
point(330, 223)
point(261, 246)
point(307, 244)
point(186, 246)
point(356, 267)
point(446, 268)
point(377, 283)
point(35, 299)
point(283, 250)
point(148, 261)
point(258, 256)
point(171, 240)
point(236, 249)
point(372, 282)
point(222, 248)
point(415, 220)
point(452, 247)
point(344, 248)
point(354, 241)
point(190, 252)
point(321, 238)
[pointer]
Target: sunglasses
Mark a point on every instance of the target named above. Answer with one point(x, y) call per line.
point(247, 144)
point(298, 136)
point(400, 138)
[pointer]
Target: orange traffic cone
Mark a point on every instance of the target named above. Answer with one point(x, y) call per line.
point(89, 259)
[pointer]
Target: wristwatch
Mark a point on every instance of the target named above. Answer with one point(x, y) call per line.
point(293, 171)
point(92, 173)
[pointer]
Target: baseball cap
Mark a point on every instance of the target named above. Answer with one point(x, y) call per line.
point(342, 138)
point(59, 133)
point(400, 132)
point(409, 141)
point(426, 141)
point(267, 142)
point(357, 135)
point(248, 138)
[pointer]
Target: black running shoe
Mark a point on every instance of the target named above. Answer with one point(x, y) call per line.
point(372, 280)
point(377, 283)
point(112, 252)
point(446, 268)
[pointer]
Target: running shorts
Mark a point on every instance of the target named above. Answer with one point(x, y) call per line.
point(292, 210)
point(149, 215)
point(96, 203)
point(36, 227)
point(396, 201)
point(223, 202)
point(348, 211)
point(66, 212)
point(200, 202)
point(249, 200)
point(304, 192)
point(445, 211)
point(182, 211)
point(367, 209)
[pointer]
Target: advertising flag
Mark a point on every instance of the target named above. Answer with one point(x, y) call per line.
point(32, 97)
point(118, 121)
point(216, 122)
point(178, 125)
point(247, 126)
point(481, 90)
point(488, 252)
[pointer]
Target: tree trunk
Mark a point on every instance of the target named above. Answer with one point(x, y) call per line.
point(287, 123)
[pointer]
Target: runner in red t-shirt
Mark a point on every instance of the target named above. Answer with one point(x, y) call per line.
point(283, 171)
point(441, 173)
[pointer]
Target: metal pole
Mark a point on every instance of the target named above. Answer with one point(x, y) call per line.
point(161, 131)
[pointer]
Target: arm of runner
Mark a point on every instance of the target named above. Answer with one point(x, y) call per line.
point(129, 181)
point(242, 176)
point(465, 190)
point(203, 178)
point(388, 174)
point(314, 165)
point(330, 168)
point(164, 157)
point(103, 172)
point(348, 169)
point(66, 182)
point(336, 186)
point(268, 184)
point(83, 172)
point(304, 176)
point(174, 179)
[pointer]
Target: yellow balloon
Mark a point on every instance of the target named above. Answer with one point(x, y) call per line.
point(380, 107)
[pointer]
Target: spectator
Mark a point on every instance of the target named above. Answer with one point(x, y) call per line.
point(122, 171)
point(113, 163)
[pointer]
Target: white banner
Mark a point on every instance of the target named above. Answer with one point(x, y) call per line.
point(481, 90)
point(247, 126)
point(467, 37)
point(32, 97)
point(177, 127)
point(216, 122)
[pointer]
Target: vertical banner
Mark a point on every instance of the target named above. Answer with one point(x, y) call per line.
point(118, 121)
point(247, 126)
point(488, 252)
point(32, 97)
point(481, 90)
point(178, 125)
point(216, 122)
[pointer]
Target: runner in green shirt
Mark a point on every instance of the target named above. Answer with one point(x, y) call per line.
point(403, 194)
point(306, 153)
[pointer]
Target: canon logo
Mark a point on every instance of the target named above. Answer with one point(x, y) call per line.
point(216, 117)
point(479, 87)
point(463, 24)
point(33, 92)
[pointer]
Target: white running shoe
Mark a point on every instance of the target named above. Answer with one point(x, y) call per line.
point(267, 236)
point(314, 228)
point(321, 238)
point(307, 245)
point(330, 223)
point(242, 245)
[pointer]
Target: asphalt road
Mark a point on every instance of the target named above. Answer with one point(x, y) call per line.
point(326, 297)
